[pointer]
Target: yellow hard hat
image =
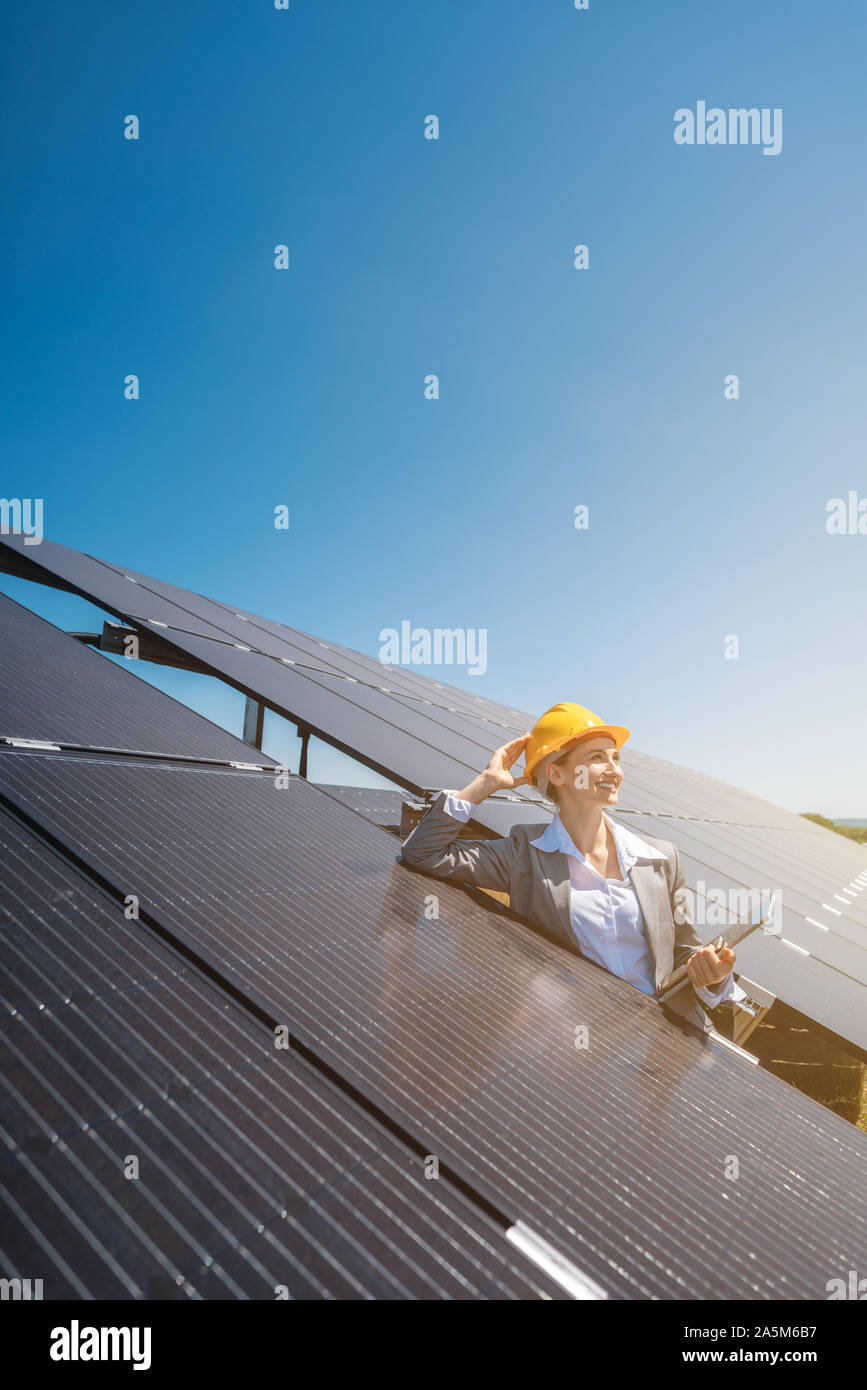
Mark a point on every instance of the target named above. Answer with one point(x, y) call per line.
point(565, 724)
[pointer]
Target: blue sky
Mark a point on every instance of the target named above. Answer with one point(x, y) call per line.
point(454, 256)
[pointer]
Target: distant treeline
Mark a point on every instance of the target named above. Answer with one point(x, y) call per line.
point(852, 832)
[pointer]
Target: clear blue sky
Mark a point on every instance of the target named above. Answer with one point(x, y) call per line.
point(410, 256)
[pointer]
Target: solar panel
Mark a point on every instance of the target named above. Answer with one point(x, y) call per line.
point(461, 1027)
point(377, 804)
point(732, 841)
point(255, 1173)
point(54, 688)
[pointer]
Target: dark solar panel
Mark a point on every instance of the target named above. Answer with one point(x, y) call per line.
point(56, 689)
point(254, 1172)
point(376, 804)
point(461, 1028)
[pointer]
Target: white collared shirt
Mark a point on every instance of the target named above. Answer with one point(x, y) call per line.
point(607, 920)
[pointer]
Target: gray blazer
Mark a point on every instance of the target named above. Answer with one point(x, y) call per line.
point(539, 889)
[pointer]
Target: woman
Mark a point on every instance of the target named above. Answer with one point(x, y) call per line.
point(615, 898)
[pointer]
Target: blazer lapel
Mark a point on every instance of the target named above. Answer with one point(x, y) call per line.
point(557, 881)
point(646, 884)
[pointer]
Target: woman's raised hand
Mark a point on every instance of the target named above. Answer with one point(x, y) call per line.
point(497, 772)
point(496, 776)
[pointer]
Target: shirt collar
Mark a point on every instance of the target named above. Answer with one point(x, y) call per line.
point(629, 847)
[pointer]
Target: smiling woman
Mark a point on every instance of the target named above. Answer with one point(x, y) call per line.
point(556, 735)
point(603, 892)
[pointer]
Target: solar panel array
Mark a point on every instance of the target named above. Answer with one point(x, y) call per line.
point(256, 1171)
point(424, 734)
point(253, 1175)
point(419, 1026)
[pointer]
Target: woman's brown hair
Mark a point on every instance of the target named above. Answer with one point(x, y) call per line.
point(551, 793)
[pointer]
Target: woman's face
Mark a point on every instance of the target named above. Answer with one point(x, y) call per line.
point(589, 773)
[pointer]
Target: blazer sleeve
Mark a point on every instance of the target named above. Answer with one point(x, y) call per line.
point(434, 847)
